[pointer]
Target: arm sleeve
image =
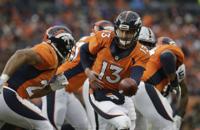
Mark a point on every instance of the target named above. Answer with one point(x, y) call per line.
point(136, 73)
point(168, 61)
point(89, 50)
point(142, 57)
point(85, 55)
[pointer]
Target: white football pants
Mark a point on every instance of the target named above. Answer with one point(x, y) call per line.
point(21, 112)
point(154, 107)
point(62, 107)
point(102, 114)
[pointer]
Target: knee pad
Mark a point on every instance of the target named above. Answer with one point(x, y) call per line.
point(121, 122)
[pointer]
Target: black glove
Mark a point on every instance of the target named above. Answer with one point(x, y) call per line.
point(173, 87)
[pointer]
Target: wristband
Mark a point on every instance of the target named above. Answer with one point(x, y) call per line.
point(4, 77)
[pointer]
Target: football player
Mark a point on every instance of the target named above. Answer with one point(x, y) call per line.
point(28, 74)
point(62, 106)
point(165, 72)
point(118, 55)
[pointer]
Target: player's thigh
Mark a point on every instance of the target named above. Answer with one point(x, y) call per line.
point(141, 122)
point(55, 107)
point(152, 105)
point(21, 112)
point(85, 93)
point(129, 105)
point(117, 115)
point(76, 114)
point(91, 114)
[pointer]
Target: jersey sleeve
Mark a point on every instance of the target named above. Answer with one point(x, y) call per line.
point(142, 56)
point(99, 40)
point(48, 56)
point(94, 45)
point(178, 52)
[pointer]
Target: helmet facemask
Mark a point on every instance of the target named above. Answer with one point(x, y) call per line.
point(147, 37)
point(127, 28)
point(125, 36)
point(62, 41)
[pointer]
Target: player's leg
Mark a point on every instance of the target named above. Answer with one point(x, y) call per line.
point(21, 112)
point(54, 106)
point(117, 115)
point(76, 114)
point(141, 122)
point(129, 105)
point(91, 114)
point(153, 106)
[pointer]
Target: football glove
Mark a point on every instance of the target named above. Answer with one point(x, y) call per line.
point(181, 73)
point(1, 85)
point(58, 82)
point(178, 121)
point(3, 79)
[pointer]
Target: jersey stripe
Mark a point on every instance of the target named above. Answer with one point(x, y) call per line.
point(14, 104)
point(157, 77)
point(24, 73)
point(157, 102)
point(74, 71)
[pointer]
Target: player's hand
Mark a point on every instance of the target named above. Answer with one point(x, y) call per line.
point(3, 79)
point(178, 121)
point(93, 79)
point(181, 73)
point(58, 82)
point(92, 76)
point(166, 91)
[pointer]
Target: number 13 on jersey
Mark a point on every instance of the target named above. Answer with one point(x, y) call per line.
point(115, 72)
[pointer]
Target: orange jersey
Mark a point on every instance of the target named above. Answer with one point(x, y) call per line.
point(113, 68)
point(29, 77)
point(154, 73)
point(73, 70)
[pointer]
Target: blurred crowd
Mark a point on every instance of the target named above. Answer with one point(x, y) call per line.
point(23, 23)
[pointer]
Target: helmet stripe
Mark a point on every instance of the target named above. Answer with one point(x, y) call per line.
point(127, 13)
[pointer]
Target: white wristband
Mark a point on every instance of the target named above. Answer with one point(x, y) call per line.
point(4, 77)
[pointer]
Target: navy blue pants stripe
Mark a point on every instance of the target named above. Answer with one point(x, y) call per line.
point(14, 104)
point(100, 112)
point(51, 107)
point(157, 102)
point(96, 120)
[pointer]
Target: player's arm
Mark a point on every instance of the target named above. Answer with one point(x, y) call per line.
point(57, 82)
point(138, 68)
point(41, 92)
point(87, 62)
point(136, 73)
point(129, 87)
point(184, 99)
point(182, 104)
point(85, 54)
point(168, 62)
point(19, 58)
